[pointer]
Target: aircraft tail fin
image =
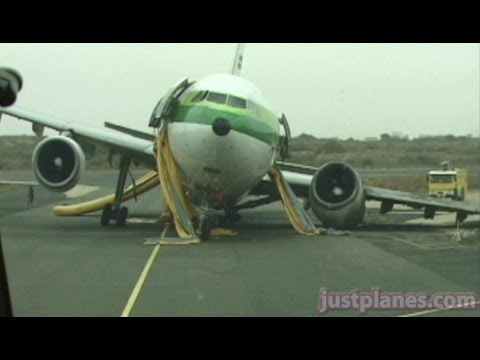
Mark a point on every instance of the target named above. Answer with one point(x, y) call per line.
point(237, 63)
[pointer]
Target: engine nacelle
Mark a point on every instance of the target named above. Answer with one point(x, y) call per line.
point(58, 163)
point(336, 196)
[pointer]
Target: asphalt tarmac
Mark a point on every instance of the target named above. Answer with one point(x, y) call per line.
point(75, 267)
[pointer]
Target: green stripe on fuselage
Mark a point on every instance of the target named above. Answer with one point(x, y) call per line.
point(263, 126)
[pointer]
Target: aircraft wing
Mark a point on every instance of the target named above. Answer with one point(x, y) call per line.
point(19, 183)
point(419, 200)
point(299, 178)
point(138, 148)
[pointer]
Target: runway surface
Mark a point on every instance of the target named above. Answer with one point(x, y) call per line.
point(75, 267)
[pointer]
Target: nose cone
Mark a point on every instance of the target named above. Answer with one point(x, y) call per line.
point(221, 126)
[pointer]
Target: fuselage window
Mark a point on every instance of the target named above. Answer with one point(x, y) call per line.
point(217, 98)
point(237, 102)
point(200, 96)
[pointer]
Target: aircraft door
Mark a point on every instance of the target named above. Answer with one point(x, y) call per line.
point(286, 139)
point(166, 107)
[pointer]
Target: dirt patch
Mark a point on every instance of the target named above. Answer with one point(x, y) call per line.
point(383, 152)
point(6, 188)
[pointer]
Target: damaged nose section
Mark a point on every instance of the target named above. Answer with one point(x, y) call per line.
point(221, 126)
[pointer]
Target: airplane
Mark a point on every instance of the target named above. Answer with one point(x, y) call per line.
point(225, 137)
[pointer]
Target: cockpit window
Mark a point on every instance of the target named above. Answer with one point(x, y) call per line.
point(237, 102)
point(217, 98)
point(254, 108)
point(200, 96)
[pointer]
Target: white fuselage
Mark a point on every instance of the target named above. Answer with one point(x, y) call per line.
point(228, 166)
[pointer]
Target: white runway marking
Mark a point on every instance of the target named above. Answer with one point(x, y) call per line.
point(26, 183)
point(141, 279)
point(420, 313)
point(80, 190)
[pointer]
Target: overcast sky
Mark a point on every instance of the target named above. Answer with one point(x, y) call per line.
point(327, 90)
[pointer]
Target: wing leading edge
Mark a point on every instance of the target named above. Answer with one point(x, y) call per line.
point(299, 177)
point(124, 143)
point(419, 200)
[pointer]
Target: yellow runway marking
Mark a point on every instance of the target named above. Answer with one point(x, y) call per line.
point(141, 279)
point(420, 313)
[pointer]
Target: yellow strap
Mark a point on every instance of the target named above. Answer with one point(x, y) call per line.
point(170, 183)
point(277, 178)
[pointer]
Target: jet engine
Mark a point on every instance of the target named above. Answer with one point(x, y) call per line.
point(58, 163)
point(336, 196)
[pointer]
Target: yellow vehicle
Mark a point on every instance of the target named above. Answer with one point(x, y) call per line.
point(451, 183)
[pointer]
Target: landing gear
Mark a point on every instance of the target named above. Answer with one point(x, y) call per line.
point(231, 216)
point(109, 213)
point(115, 211)
point(429, 212)
point(106, 214)
point(205, 227)
point(460, 218)
point(122, 216)
point(204, 223)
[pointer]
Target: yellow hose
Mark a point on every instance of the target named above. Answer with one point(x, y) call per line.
point(143, 184)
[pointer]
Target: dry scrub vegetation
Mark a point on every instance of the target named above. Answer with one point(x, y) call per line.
point(386, 153)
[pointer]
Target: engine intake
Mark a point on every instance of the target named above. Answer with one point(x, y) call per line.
point(336, 196)
point(58, 163)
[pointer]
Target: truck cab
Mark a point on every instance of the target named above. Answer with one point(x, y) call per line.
point(448, 184)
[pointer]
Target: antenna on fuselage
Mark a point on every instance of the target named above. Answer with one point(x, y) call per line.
point(237, 63)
